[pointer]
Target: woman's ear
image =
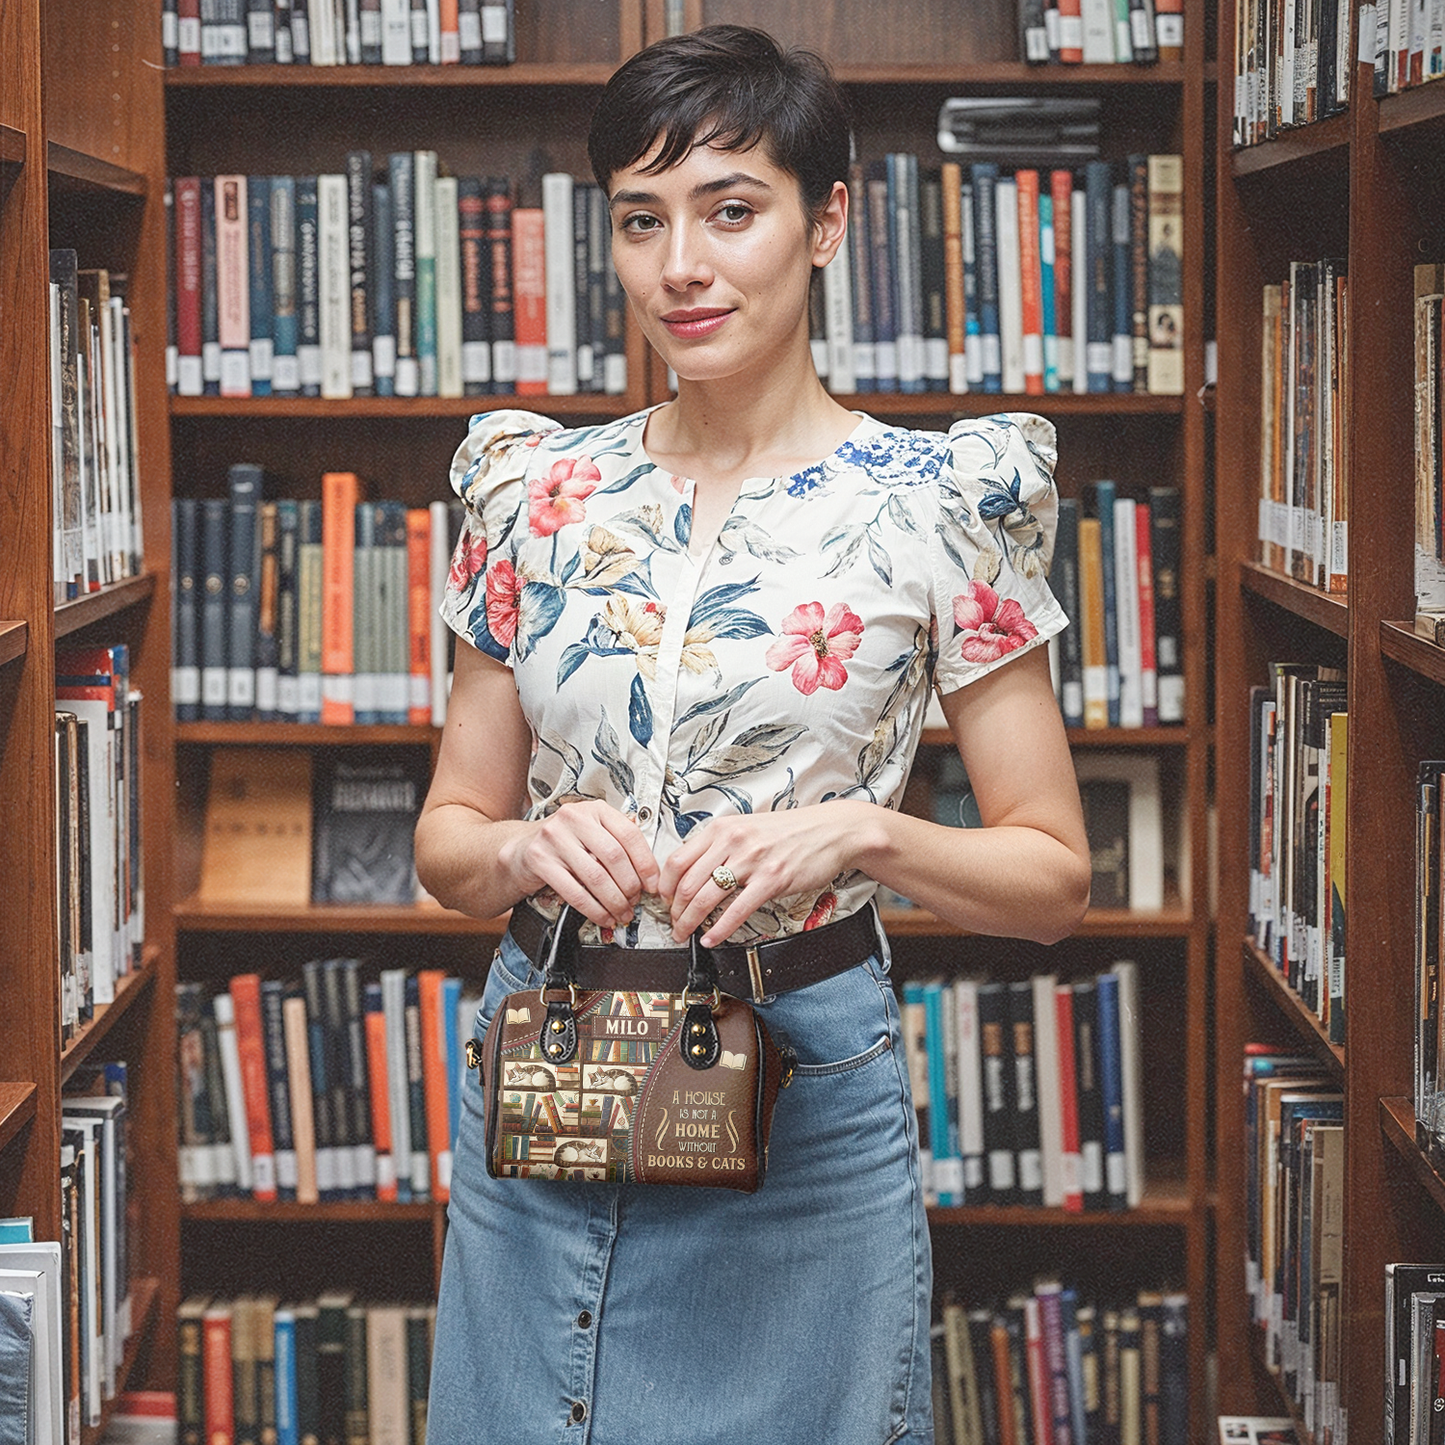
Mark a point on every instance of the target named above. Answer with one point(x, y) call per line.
point(830, 225)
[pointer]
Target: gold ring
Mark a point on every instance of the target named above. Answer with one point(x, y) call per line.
point(725, 878)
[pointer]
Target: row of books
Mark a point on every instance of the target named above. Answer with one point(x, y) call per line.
point(1429, 414)
point(1409, 44)
point(1116, 574)
point(1049, 1366)
point(330, 32)
point(321, 1088)
point(1298, 784)
point(1101, 32)
point(1028, 281)
point(310, 610)
point(1294, 1138)
point(332, 1368)
point(390, 279)
point(95, 503)
point(1304, 430)
point(1429, 953)
point(1414, 1353)
point(1292, 65)
point(100, 879)
point(1028, 1092)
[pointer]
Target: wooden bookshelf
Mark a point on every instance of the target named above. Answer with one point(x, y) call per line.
point(17, 1109)
point(1292, 1007)
point(340, 1211)
point(1399, 643)
point(113, 598)
point(76, 170)
point(128, 993)
point(1309, 604)
point(292, 735)
point(145, 1294)
point(1323, 142)
point(14, 640)
point(192, 915)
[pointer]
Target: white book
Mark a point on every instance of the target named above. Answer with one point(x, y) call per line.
point(233, 286)
point(449, 288)
point(1126, 611)
point(1078, 293)
point(561, 281)
point(353, 32)
point(88, 1255)
point(972, 349)
point(324, 48)
point(1046, 1066)
point(396, 32)
point(333, 285)
point(1146, 820)
point(105, 957)
point(388, 1410)
point(225, 1013)
point(35, 1269)
point(970, 1086)
point(424, 166)
point(440, 560)
point(1285, 89)
point(1010, 286)
point(434, 32)
point(1127, 972)
point(838, 314)
point(1098, 17)
point(907, 274)
point(393, 1009)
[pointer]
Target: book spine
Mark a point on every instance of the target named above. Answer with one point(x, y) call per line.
point(1071, 1165)
point(313, 979)
point(299, 1099)
point(498, 201)
point(1031, 315)
point(333, 286)
point(285, 364)
point(955, 303)
point(245, 489)
point(438, 1109)
point(288, 704)
point(1111, 1083)
point(308, 288)
point(278, 1086)
point(881, 288)
point(383, 290)
point(448, 288)
point(860, 274)
point(185, 626)
point(1164, 546)
point(1098, 193)
point(339, 499)
point(1148, 653)
point(1126, 612)
point(260, 290)
point(529, 289)
point(1048, 293)
point(265, 654)
point(1165, 268)
point(1061, 183)
point(416, 1090)
point(985, 202)
point(1121, 291)
point(360, 249)
point(970, 1092)
point(339, 1078)
point(476, 285)
point(233, 285)
point(401, 169)
point(310, 567)
point(1010, 284)
point(418, 616)
point(559, 281)
point(424, 223)
point(251, 1050)
point(218, 1384)
point(186, 284)
point(1066, 584)
point(1023, 1061)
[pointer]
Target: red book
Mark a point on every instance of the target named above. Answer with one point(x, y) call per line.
point(1031, 281)
point(529, 299)
point(1061, 188)
point(188, 31)
point(450, 29)
point(1069, 1100)
point(340, 492)
point(251, 1046)
point(1148, 656)
point(1071, 32)
point(1040, 1398)
point(1003, 1380)
point(376, 1068)
point(418, 613)
point(434, 1082)
point(187, 190)
point(217, 1384)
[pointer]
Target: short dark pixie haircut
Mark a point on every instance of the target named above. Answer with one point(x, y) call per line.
point(731, 87)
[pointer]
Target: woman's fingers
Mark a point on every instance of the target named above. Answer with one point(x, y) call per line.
point(596, 859)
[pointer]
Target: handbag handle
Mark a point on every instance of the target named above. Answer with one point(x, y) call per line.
point(700, 1046)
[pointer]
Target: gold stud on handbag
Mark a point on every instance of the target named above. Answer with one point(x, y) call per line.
point(624, 1085)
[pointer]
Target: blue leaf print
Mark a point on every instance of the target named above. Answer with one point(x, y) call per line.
point(623, 482)
point(682, 524)
point(573, 562)
point(605, 750)
point(999, 500)
point(686, 822)
point(742, 801)
point(637, 583)
point(737, 623)
point(639, 712)
point(481, 634)
point(719, 703)
point(541, 606)
point(881, 562)
point(572, 659)
point(717, 599)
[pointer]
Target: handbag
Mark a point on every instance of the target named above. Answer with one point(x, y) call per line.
point(628, 1085)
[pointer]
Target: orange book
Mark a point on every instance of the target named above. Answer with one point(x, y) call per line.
point(1091, 604)
point(529, 299)
point(1071, 32)
point(1069, 1100)
point(955, 318)
point(1148, 652)
point(251, 1046)
point(1169, 29)
point(1031, 281)
point(218, 1385)
point(418, 613)
point(1008, 1388)
point(376, 1068)
point(1061, 188)
point(340, 492)
point(434, 1082)
point(450, 30)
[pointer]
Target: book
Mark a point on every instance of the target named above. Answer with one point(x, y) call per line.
point(257, 844)
point(1123, 810)
point(365, 806)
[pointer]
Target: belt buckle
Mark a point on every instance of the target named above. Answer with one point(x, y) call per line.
point(755, 972)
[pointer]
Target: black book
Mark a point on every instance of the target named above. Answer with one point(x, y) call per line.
point(383, 291)
point(476, 266)
point(369, 27)
point(1106, 821)
point(503, 327)
point(214, 606)
point(401, 169)
point(288, 703)
point(354, 1375)
point(582, 311)
point(998, 1093)
point(308, 1385)
point(1164, 545)
point(469, 31)
point(338, 1077)
point(599, 265)
point(321, 1053)
point(278, 1086)
point(365, 807)
point(267, 651)
point(210, 295)
point(185, 610)
point(260, 32)
point(416, 1092)
point(935, 322)
point(360, 245)
point(1090, 1094)
point(331, 1368)
point(308, 287)
point(420, 44)
point(363, 1150)
point(980, 1323)
point(242, 576)
point(1064, 579)
point(1024, 1062)
point(499, 32)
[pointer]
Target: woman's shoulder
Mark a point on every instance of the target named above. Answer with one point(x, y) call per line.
point(960, 459)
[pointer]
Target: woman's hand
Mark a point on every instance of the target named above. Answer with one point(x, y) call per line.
point(772, 855)
point(590, 855)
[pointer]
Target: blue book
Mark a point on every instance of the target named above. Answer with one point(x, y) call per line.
point(1074, 1363)
point(948, 1181)
point(308, 288)
point(1121, 309)
point(1046, 273)
point(1111, 1082)
point(1099, 503)
point(985, 235)
point(451, 1036)
point(317, 1034)
point(17, 1231)
point(287, 1429)
point(260, 282)
point(214, 546)
point(288, 702)
point(285, 365)
point(1097, 276)
point(383, 292)
point(245, 484)
point(972, 342)
point(416, 1092)
point(860, 275)
point(185, 610)
point(880, 262)
point(210, 296)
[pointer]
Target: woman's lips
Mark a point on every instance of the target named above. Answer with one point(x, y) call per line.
point(692, 324)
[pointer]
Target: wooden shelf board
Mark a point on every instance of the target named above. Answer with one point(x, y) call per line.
point(194, 916)
point(340, 1211)
point(529, 74)
point(989, 403)
point(418, 407)
point(127, 991)
point(1308, 603)
point(1421, 105)
point(1166, 1201)
point(1287, 1405)
point(1397, 1120)
point(1012, 72)
point(116, 597)
point(13, 146)
point(1294, 1008)
point(1399, 642)
point(1173, 922)
point(75, 170)
point(1304, 144)
point(17, 1109)
point(14, 639)
point(144, 1293)
point(1094, 737)
point(287, 734)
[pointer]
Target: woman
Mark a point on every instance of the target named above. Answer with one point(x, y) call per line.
point(694, 652)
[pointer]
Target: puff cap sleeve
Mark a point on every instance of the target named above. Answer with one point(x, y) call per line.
point(489, 474)
point(992, 544)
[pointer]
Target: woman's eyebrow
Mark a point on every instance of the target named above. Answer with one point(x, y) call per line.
point(703, 188)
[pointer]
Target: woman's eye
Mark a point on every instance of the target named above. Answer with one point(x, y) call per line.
point(735, 212)
point(640, 223)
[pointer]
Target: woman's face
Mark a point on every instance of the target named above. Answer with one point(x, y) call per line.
point(715, 255)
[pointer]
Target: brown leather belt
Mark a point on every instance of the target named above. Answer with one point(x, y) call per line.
point(754, 971)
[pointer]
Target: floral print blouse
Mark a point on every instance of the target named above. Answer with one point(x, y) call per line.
point(790, 663)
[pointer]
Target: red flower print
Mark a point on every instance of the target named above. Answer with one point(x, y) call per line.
point(991, 625)
point(504, 597)
point(823, 910)
point(469, 559)
point(556, 499)
point(815, 646)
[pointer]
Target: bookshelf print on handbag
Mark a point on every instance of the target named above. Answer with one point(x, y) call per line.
point(623, 1085)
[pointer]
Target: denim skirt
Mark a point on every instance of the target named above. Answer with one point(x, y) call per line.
point(625, 1314)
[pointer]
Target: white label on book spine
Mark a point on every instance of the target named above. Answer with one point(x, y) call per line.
point(408, 376)
point(262, 351)
point(308, 691)
point(1170, 29)
point(371, 27)
point(476, 362)
point(383, 355)
point(1116, 1173)
point(451, 48)
point(444, 1168)
point(1033, 355)
point(1367, 35)
point(948, 1176)
point(308, 363)
point(185, 685)
point(235, 372)
point(469, 29)
point(385, 1172)
point(262, 31)
point(494, 24)
point(170, 31)
point(288, 696)
point(1071, 32)
point(614, 375)
point(285, 373)
point(286, 1168)
point(213, 686)
point(504, 361)
point(266, 688)
point(241, 687)
point(1142, 34)
point(1100, 356)
point(263, 1174)
point(189, 381)
point(188, 35)
point(361, 374)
